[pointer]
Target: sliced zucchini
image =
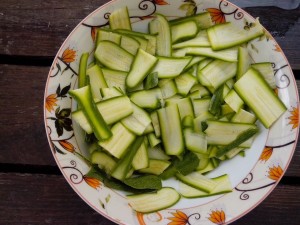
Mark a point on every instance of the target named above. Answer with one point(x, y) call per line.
point(108, 35)
point(168, 89)
point(155, 123)
point(113, 56)
point(115, 78)
point(170, 67)
point(83, 96)
point(121, 170)
point(230, 54)
point(226, 35)
point(243, 116)
point(112, 110)
point(244, 62)
point(201, 40)
point(216, 73)
point(223, 133)
point(141, 66)
point(153, 140)
point(119, 19)
point(188, 122)
point(109, 93)
point(156, 166)
point(233, 152)
point(201, 105)
point(151, 81)
point(194, 141)
point(223, 186)
point(261, 99)
point(141, 159)
point(104, 161)
point(118, 144)
point(148, 99)
point(115, 109)
point(183, 31)
point(198, 181)
point(150, 46)
point(192, 66)
point(198, 121)
point(234, 100)
point(138, 121)
point(240, 139)
point(129, 44)
point(184, 83)
point(82, 70)
point(161, 27)
point(203, 20)
point(96, 80)
point(171, 132)
point(153, 202)
point(185, 107)
point(157, 153)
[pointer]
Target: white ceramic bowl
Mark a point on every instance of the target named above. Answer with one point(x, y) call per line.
point(253, 177)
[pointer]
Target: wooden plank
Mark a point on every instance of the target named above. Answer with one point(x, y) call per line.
point(40, 199)
point(280, 207)
point(37, 27)
point(40, 29)
point(22, 134)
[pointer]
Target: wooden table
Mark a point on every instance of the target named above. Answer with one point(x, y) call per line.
point(32, 189)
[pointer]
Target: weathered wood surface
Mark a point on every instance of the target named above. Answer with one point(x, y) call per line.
point(32, 191)
point(38, 28)
point(41, 199)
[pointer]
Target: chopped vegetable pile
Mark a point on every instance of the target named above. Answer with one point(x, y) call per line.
point(174, 102)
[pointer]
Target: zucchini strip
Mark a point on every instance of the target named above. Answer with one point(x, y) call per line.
point(84, 98)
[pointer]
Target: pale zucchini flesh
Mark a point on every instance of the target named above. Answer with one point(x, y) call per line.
point(161, 27)
point(227, 35)
point(113, 56)
point(198, 181)
point(184, 30)
point(119, 19)
point(223, 186)
point(152, 202)
point(171, 131)
point(119, 142)
point(141, 66)
point(258, 95)
point(170, 67)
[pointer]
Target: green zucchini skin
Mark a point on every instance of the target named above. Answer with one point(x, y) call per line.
point(155, 201)
point(84, 98)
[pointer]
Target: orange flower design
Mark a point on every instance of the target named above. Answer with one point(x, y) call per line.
point(68, 55)
point(277, 48)
point(51, 102)
point(67, 146)
point(179, 218)
point(94, 33)
point(294, 118)
point(217, 15)
point(217, 217)
point(140, 218)
point(160, 2)
point(275, 173)
point(93, 182)
point(266, 154)
point(276, 91)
